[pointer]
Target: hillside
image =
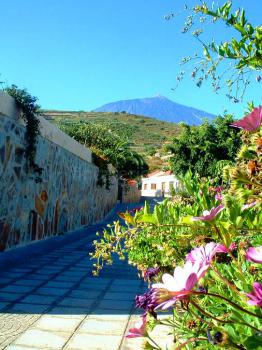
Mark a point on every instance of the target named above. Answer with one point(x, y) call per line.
point(158, 107)
point(147, 135)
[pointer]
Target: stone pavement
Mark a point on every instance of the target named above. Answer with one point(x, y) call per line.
point(50, 300)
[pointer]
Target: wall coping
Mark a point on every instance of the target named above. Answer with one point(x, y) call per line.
point(48, 131)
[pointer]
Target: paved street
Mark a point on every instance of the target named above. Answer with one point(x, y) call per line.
point(50, 300)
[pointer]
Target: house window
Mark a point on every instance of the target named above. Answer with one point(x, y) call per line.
point(163, 186)
point(153, 186)
point(171, 185)
point(145, 186)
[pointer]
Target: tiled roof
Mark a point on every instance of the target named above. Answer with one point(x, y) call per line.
point(160, 173)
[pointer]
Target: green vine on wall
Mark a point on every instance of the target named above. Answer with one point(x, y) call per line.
point(104, 173)
point(30, 111)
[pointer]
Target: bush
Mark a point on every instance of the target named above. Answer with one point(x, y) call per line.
point(202, 149)
point(202, 257)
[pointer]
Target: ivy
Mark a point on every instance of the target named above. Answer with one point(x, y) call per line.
point(30, 112)
point(104, 173)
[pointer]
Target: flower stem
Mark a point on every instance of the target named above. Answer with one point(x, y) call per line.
point(152, 341)
point(218, 233)
point(191, 340)
point(219, 320)
point(208, 314)
point(235, 261)
point(196, 315)
point(229, 284)
point(249, 325)
point(228, 251)
point(229, 302)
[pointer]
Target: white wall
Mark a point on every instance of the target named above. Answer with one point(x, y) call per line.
point(160, 183)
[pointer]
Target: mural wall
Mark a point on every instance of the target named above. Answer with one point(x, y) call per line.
point(65, 196)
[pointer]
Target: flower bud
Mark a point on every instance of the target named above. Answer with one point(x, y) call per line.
point(234, 173)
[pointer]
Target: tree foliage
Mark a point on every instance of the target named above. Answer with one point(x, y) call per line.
point(108, 148)
point(205, 149)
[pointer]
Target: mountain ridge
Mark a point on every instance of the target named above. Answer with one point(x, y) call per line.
point(159, 107)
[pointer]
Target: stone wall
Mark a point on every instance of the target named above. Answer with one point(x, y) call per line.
point(131, 193)
point(64, 197)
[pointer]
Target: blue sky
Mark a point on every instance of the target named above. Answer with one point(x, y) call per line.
point(80, 54)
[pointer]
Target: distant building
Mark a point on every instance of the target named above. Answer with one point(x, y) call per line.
point(130, 192)
point(159, 184)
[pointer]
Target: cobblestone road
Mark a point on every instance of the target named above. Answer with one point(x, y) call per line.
point(49, 299)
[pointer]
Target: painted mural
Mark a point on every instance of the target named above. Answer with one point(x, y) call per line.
point(63, 197)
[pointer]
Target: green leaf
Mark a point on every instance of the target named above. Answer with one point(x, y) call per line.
point(186, 220)
point(235, 45)
point(148, 346)
point(240, 28)
point(242, 18)
point(148, 218)
point(250, 29)
point(237, 316)
point(206, 53)
point(146, 208)
point(128, 218)
point(221, 51)
point(225, 224)
point(157, 214)
point(253, 343)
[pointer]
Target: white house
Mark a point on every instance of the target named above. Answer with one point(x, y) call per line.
point(159, 184)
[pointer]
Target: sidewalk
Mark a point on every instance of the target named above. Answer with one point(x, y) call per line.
point(53, 302)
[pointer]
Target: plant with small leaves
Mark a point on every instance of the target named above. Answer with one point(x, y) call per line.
point(231, 63)
point(29, 112)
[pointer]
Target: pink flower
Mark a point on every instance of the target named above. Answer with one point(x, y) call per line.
point(224, 249)
point(232, 246)
point(218, 189)
point(209, 215)
point(178, 286)
point(256, 295)
point(250, 122)
point(248, 206)
point(139, 330)
point(205, 254)
point(254, 254)
point(219, 197)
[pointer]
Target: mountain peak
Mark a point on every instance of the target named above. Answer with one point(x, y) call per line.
point(159, 107)
point(161, 97)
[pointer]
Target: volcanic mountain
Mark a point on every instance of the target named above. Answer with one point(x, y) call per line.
point(158, 107)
